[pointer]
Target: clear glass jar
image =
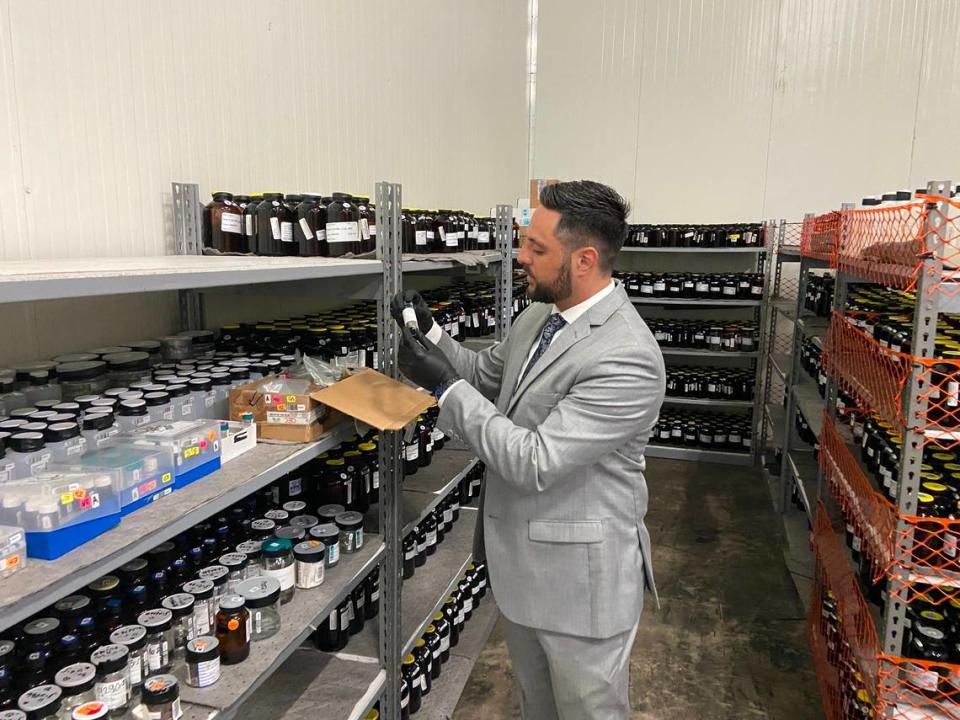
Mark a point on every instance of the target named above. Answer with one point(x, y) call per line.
point(250, 548)
point(99, 429)
point(125, 368)
point(262, 598)
point(351, 531)
point(76, 684)
point(113, 677)
point(160, 699)
point(184, 630)
point(204, 609)
point(276, 560)
point(181, 401)
point(158, 406)
point(82, 378)
point(41, 387)
point(236, 565)
point(160, 640)
point(132, 414)
point(65, 442)
point(309, 558)
point(28, 452)
point(134, 638)
point(329, 535)
point(203, 661)
point(203, 395)
point(219, 576)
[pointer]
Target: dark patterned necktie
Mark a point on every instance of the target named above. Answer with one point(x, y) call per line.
point(551, 328)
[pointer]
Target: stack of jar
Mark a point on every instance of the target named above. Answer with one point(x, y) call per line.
point(728, 336)
point(709, 431)
point(430, 532)
point(692, 286)
point(350, 616)
point(855, 698)
point(445, 231)
point(819, 295)
point(199, 599)
point(734, 235)
point(710, 383)
point(425, 662)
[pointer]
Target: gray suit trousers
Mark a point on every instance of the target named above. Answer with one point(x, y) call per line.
point(564, 677)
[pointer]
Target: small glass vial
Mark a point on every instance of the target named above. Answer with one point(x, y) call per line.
point(204, 609)
point(277, 561)
point(113, 677)
point(160, 700)
point(251, 548)
point(42, 701)
point(134, 638)
point(236, 565)
point(309, 556)
point(262, 597)
point(181, 606)
point(218, 575)
point(329, 535)
point(160, 643)
point(203, 661)
point(351, 531)
point(76, 684)
point(233, 629)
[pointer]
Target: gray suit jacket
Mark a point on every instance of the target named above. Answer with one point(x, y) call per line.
point(562, 512)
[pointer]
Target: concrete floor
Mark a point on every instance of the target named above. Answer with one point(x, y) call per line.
point(728, 641)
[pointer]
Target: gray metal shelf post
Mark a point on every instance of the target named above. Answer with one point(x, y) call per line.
point(504, 279)
point(388, 197)
point(187, 224)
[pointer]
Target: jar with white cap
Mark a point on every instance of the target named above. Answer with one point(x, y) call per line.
point(113, 677)
point(99, 429)
point(159, 406)
point(132, 414)
point(40, 702)
point(76, 683)
point(28, 452)
point(204, 396)
point(181, 401)
point(160, 640)
point(65, 442)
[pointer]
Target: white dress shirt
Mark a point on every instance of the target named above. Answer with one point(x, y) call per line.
point(570, 315)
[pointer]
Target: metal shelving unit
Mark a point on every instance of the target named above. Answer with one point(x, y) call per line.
point(338, 685)
point(697, 251)
point(708, 402)
point(678, 452)
point(697, 302)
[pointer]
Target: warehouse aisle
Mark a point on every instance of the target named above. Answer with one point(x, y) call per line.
point(728, 643)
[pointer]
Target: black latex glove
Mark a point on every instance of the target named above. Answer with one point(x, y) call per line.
point(411, 297)
point(424, 363)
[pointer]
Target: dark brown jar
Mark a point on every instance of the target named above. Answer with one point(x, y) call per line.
point(343, 229)
point(288, 221)
point(424, 235)
point(233, 629)
point(367, 223)
point(271, 213)
point(250, 221)
point(223, 224)
point(305, 231)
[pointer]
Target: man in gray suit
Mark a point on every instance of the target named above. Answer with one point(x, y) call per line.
point(560, 413)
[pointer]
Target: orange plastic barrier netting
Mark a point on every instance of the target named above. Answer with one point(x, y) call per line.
point(825, 663)
point(932, 572)
point(873, 374)
point(918, 689)
point(887, 244)
point(820, 237)
point(940, 387)
point(869, 515)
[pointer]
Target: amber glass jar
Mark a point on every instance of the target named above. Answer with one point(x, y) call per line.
point(343, 229)
point(223, 224)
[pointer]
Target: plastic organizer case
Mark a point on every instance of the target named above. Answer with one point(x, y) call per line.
point(195, 446)
point(13, 550)
point(60, 508)
point(143, 474)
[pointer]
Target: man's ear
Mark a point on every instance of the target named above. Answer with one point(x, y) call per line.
point(586, 258)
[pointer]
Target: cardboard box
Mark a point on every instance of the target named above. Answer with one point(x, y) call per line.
point(536, 186)
point(290, 418)
point(375, 399)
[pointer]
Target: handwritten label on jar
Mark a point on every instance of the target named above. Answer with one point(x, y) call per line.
point(286, 232)
point(157, 655)
point(249, 225)
point(305, 228)
point(114, 693)
point(421, 237)
point(275, 227)
point(341, 232)
point(231, 223)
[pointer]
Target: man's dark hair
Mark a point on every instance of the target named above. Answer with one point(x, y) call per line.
point(590, 214)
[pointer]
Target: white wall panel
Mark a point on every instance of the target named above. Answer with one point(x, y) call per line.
point(709, 110)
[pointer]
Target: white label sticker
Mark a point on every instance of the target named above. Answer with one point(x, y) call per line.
point(364, 229)
point(444, 642)
point(248, 221)
point(305, 227)
point(483, 237)
point(421, 237)
point(321, 235)
point(231, 223)
point(286, 231)
point(113, 693)
point(341, 232)
point(275, 227)
point(286, 576)
point(413, 452)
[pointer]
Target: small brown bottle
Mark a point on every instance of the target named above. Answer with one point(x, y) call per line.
point(233, 629)
point(223, 224)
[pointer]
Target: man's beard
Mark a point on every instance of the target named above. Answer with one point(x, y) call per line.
point(557, 292)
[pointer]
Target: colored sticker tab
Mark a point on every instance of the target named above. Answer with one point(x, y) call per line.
point(167, 477)
point(291, 398)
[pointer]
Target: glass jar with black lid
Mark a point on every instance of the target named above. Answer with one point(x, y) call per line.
point(343, 229)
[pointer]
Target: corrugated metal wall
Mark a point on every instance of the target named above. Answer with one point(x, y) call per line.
point(104, 102)
point(710, 110)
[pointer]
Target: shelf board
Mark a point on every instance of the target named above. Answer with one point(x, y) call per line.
point(789, 252)
point(787, 308)
point(696, 250)
point(447, 689)
point(705, 302)
point(798, 556)
point(300, 618)
point(428, 486)
point(424, 593)
point(698, 352)
point(781, 364)
point(810, 404)
point(776, 416)
point(41, 582)
point(814, 328)
point(805, 470)
point(708, 402)
point(672, 452)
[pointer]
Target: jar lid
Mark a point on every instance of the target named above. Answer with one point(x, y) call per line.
point(104, 585)
point(260, 591)
point(157, 619)
point(58, 432)
point(180, 604)
point(327, 532)
point(250, 548)
point(295, 506)
point(69, 408)
point(263, 525)
point(81, 369)
point(147, 346)
point(233, 560)
point(232, 601)
point(160, 690)
point(201, 589)
point(155, 399)
point(25, 442)
point(34, 425)
point(110, 658)
point(40, 701)
point(349, 520)
point(74, 358)
point(98, 421)
point(93, 710)
point(310, 551)
point(203, 649)
point(133, 636)
point(200, 383)
point(328, 513)
point(72, 605)
point(304, 521)
point(291, 533)
point(13, 714)
point(133, 407)
point(44, 628)
point(128, 360)
point(23, 371)
point(277, 515)
point(76, 678)
point(217, 574)
point(275, 547)
point(198, 337)
point(177, 390)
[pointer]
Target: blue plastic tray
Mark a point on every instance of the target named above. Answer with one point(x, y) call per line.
point(51, 545)
point(181, 480)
